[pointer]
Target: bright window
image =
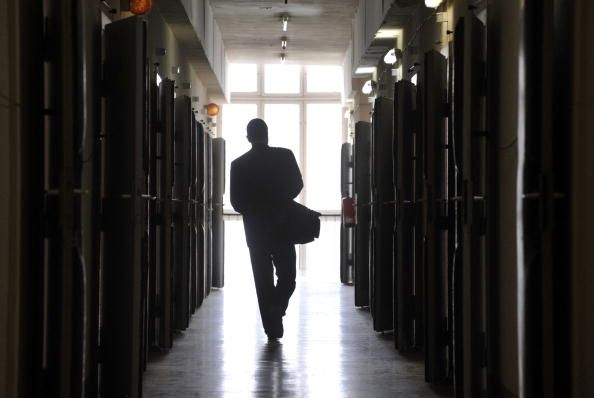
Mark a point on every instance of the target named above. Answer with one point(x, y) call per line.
point(235, 120)
point(243, 78)
point(282, 79)
point(283, 122)
point(324, 79)
point(324, 139)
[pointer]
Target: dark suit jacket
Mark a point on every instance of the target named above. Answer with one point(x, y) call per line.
point(264, 181)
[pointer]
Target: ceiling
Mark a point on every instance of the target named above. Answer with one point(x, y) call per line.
point(319, 31)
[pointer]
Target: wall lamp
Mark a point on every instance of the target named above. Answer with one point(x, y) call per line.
point(284, 43)
point(432, 3)
point(283, 58)
point(368, 87)
point(140, 7)
point(393, 57)
point(285, 22)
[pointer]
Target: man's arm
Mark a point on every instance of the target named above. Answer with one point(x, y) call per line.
point(236, 190)
point(294, 179)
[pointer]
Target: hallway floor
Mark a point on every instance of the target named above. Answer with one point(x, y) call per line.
point(328, 350)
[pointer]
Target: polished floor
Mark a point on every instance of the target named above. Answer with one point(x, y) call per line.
point(329, 348)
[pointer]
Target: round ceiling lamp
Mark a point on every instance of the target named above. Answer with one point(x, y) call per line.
point(140, 7)
point(212, 109)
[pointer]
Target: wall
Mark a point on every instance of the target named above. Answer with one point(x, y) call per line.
point(201, 17)
point(160, 35)
point(369, 17)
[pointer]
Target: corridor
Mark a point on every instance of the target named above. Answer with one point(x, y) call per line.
point(328, 350)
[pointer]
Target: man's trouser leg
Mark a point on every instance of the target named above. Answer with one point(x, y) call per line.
point(284, 259)
point(263, 278)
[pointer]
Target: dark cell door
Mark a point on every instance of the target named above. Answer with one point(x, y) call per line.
point(218, 224)
point(207, 221)
point(181, 227)
point(201, 272)
point(544, 275)
point(470, 149)
point(435, 222)
point(362, 170)
point(124, 208)
point(382, 218)
point(404, 129)
point(164, 165)
point(346, 232)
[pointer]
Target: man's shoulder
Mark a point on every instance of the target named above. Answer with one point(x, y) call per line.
point(240, 159)
point(281, 151)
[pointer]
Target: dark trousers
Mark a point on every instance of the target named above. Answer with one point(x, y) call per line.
point(273, 300)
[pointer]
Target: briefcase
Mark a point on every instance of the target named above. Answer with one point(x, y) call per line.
point(303, 224)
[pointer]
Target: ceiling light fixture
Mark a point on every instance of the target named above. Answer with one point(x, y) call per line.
point(432, 3)
point(284, 43)
point(285, 22)
point(387, 33)
point(364, 70)
point(283, 58)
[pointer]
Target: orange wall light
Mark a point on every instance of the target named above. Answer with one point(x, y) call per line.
point(212, 109)
point(140, 7)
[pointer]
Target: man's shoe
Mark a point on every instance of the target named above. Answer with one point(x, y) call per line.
point(276, 331)
point(272, 340)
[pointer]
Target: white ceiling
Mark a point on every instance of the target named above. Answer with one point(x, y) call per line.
point(319, 30)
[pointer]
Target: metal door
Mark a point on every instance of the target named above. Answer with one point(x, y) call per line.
point(361, 181)
point(124, 208)
point(404, 130)
point(382, 209)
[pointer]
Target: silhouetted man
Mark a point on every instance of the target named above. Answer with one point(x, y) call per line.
point(264, 181)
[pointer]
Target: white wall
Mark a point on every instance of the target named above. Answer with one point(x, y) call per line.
point(201, 17)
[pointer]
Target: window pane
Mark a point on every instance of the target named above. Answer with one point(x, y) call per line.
point(283, 126)
point(281, 79)
point(324, 138)
point(324, 79)
point(243, 78)
point(235, 120)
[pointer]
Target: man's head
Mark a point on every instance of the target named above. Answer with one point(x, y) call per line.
point(257, 131)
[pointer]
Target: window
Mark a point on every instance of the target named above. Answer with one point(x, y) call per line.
point(282, 79)
point(243, 78)
point(324, 139)
point(235, 120)
point(324, 79)
point(308, 121)
point(284, 128)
